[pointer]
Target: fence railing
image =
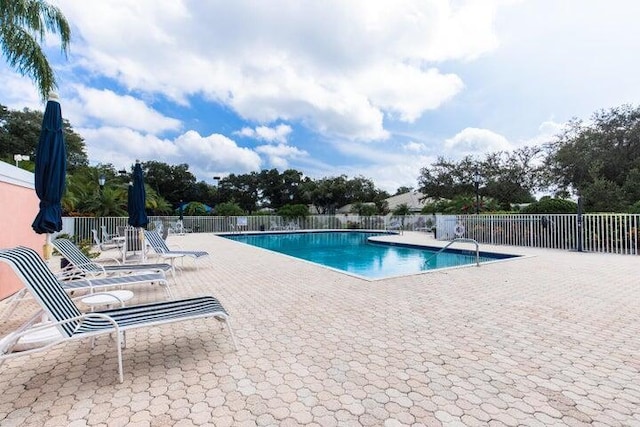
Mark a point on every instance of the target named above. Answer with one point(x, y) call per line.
point(610, 233)
point(80, 227)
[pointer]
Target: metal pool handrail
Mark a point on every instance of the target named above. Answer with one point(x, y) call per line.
point(459, 239)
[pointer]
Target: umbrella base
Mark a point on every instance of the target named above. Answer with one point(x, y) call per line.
point(47, 251)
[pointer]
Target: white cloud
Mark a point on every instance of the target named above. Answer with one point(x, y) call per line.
point(411, 91)
point(206, 155)
point(278, 155)
point(475, 142)
point(18, 92)
point(122, 146)
point(336, 66)
point(113, 110)
point(217, 152)
point(389, 168)
point(414, 147)
point(269, 134)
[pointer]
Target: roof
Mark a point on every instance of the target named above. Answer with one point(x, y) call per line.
point(414, 199)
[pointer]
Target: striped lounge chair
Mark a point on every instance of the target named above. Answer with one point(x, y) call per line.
point(72, 324)
point(162, 250)
point(89, 275)
point(92, 283)
point(81, 262)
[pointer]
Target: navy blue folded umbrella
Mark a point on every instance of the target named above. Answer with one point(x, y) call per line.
point(137, 199)
point(51, 169)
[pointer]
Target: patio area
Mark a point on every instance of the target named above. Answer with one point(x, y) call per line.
point(549, 339)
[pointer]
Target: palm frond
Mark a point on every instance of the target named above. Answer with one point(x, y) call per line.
point(23, 26)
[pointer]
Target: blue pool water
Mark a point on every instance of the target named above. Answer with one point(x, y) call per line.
point(352, 253)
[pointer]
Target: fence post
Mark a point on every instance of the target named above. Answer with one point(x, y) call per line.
point(579, 225)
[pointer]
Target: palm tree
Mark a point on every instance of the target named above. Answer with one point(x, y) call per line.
point(402, 210)
point(23, 26)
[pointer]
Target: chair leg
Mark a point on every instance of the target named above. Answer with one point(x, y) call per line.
point(119, 352)
point(15, 299)
point(167, 288)
point(233, 337)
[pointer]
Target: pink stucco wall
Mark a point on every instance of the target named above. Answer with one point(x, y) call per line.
point(18, 208)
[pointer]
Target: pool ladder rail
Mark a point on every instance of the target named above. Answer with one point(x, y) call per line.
point(461, 240)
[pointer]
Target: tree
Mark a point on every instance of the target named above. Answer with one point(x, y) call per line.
point(242, 190)
point(195, 209)
point(506, 177)
point(402, 210)
point(548, 205)
point(228, 209)
point(403, 190)
point(598, 160)
point(20, 132)
point(23, 26)
point(330, 193)
point(174, 183)
point(511, 177)
point(293, 211)
point(278, 189)
point(84, 196)
point(364, 209)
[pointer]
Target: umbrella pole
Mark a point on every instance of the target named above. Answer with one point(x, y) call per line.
point(47, 249)
point(142, 245)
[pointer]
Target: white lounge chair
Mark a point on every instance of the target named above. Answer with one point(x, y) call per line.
point(394, 225)
point(73, 324)
point(275, 226)
point(81, 262)
point(106, 236)
point(84, 274)
point(162, 250)
point(105, 245)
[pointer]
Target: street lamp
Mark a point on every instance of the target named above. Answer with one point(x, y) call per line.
point(20, 157)
point(101, 180)
point(476, 181)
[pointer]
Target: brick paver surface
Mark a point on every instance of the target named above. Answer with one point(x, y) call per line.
point(551, 339)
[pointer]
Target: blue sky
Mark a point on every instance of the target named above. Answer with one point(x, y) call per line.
point(362, 88)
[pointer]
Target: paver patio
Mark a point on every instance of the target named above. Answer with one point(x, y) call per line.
point(551, 339)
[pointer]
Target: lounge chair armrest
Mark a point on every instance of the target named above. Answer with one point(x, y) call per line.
point(79, 280)
point(114, 259)
point(112, 295)
point(15, 336)
point(92, 263)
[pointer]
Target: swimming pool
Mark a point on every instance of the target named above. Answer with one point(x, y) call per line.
point(352, 252)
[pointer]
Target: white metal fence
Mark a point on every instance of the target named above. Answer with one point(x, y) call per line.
point(80, 227)
point(611, 233)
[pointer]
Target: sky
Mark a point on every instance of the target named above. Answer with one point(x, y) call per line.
point(377, 89)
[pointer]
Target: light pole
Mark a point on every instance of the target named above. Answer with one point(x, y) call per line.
point(101, 181)
point(217, 182)
point(19, 158)
point(476, 181)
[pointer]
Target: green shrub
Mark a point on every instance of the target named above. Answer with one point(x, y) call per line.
point(229, 209)
point(293, 211)
point(195, 209)
point(547, 205)
point(635, 208)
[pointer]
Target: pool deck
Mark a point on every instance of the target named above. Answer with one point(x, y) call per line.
point(549, 339)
